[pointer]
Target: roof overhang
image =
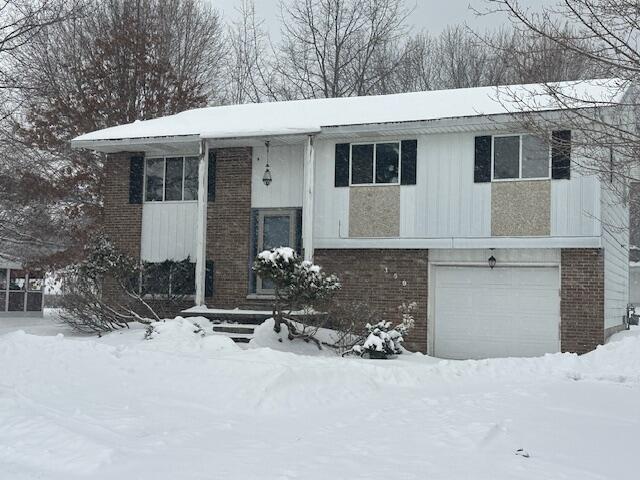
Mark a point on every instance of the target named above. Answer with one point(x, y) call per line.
point(190, 144)
point(187, 144)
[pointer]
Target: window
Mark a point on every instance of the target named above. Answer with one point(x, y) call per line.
point(375, 163)
point(3, 289)
point(20, 291)
point(34, 293)
point(275, 228)
point(169, 278)
point(520, 157)
point(171, 179)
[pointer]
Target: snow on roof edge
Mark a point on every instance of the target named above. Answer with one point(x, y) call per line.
point(311, 116)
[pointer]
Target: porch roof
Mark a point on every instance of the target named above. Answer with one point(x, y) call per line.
point(293, 119)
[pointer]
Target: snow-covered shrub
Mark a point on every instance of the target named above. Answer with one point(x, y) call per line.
point(155, 329)
point(298, 285)
point(186, 335)
point(85, 308)
point(382, 339)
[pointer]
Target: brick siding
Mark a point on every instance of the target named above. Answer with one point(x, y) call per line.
point(582, 299)
point(383, 279)
point(228, 230)
point(122, 221)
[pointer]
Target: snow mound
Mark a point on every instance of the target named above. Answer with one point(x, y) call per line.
point(187, 335)
point(617, 361)
point(265, 337)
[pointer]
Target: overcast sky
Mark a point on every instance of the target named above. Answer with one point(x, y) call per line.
point(431, 15)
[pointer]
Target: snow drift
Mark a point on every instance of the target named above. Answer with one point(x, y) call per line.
point(186, 406)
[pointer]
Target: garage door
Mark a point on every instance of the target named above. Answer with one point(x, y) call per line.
point(504, 312)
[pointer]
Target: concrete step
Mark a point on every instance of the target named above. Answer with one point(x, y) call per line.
point(240, 337)
point(237, 317)
point(233, 328)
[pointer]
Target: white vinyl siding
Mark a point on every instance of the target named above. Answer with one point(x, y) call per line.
point(285, 163)
point(615, 239)
point(446, 208)
point(168, 231)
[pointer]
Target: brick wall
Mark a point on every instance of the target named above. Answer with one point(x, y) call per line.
point(582, 299)
point(122, 221)
point(383, 279)
point(228, 225)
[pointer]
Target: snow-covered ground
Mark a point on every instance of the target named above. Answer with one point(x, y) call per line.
point(184, 407)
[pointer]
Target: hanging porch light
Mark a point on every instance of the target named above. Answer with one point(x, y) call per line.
point(492, 262)
point(267, 178)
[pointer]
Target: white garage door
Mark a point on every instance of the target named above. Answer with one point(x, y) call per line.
point(504, 312)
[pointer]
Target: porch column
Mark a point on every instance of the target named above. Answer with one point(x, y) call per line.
point(201, 235)
point(307, 199)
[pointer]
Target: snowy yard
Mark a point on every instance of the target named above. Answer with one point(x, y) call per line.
point(184, 407)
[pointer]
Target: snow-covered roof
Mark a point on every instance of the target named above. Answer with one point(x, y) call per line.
point(311, 116)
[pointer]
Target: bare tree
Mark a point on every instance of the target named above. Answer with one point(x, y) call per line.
point(250, 66)
point(329, 47)
point(603, 34)
point(461, 58)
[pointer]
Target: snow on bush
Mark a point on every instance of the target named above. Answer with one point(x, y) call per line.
point(298, 285)
point(297, 282)
point(382, 339)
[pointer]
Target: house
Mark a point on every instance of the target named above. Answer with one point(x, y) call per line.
point(437, 198)
point(21, 291)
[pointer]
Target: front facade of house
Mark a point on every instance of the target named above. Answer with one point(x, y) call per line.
point(495, 234)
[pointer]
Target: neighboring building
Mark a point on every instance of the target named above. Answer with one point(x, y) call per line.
point(408, 198)
point(20, 290)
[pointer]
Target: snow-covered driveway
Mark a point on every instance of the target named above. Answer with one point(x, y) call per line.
point(190, 408)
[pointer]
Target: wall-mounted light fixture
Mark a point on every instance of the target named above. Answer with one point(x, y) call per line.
point(266, 178)
point(492, 262)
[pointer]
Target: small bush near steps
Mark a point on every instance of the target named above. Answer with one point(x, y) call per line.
point(299, 285)
point(383, 340)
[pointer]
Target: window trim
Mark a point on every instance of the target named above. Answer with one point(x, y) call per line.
point(164, 178)
point(273, 212)
point(375, 154)
point(519, 178)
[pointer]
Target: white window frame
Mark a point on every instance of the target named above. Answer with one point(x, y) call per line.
point(164, 179)
point(374, 184)
point(273, 212)
point(519, 178)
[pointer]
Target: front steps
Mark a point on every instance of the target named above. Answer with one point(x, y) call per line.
point(239, 325)
point(238, 332)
